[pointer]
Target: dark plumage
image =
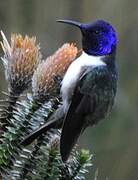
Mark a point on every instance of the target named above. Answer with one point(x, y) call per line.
point(88, 88)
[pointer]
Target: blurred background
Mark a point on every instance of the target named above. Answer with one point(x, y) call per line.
point(114, 141)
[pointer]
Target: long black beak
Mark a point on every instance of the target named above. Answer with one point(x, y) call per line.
point(74, 23)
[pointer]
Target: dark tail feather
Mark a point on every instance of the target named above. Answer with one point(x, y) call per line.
point(70, 133)
point(31, 137)
point(74, 124)
point(55, 121)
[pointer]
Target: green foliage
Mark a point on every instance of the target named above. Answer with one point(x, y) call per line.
point(40, 160)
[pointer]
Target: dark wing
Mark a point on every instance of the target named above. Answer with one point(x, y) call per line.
point(55, 121)
point(83, 103)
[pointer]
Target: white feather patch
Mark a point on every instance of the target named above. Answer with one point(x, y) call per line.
point(73, 74)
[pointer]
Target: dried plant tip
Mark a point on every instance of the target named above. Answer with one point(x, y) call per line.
point(47, 77)
point(20, 59)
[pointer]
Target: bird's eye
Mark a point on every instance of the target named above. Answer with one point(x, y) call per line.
point(96, 32)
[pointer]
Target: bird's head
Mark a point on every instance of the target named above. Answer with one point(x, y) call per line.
point(98, 38)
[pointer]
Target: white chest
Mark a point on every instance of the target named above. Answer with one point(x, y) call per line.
point(73, 74)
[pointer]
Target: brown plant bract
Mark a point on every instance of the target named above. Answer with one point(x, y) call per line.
point(54, 66)
point(20, 59)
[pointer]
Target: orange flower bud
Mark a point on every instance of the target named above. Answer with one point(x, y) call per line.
point(44, 79)
point(21, 58)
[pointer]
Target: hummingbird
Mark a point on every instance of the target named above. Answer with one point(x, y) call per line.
point(88, 88)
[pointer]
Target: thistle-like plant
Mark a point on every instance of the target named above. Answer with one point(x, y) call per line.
point(21, 57)
point(41, 159)
point(48, 75)
point(20, 60)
